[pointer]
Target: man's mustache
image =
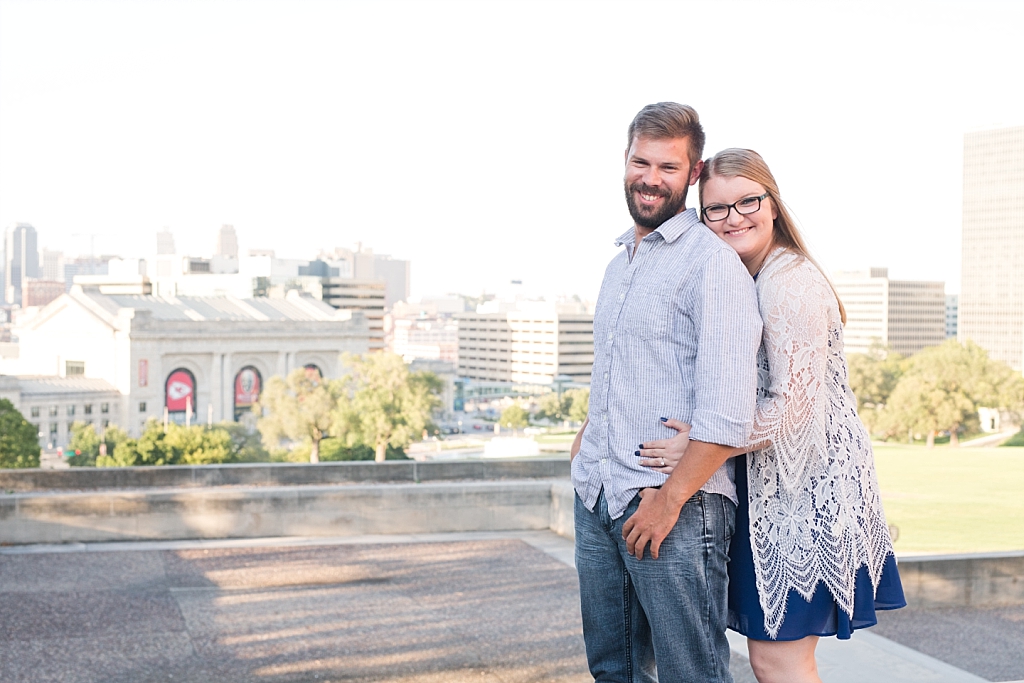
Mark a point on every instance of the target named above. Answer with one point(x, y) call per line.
point(647, 189)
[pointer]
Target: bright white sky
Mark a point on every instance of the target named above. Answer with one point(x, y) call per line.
point(484, 140)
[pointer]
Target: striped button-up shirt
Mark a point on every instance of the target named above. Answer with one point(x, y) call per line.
point(676, 333)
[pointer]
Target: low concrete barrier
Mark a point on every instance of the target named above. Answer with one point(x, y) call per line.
point(278, 474)
point(367, 498)
point(563, 506)
point(252, 512)
point(977, 580)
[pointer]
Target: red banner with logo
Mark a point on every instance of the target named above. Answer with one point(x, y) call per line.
point(247, 387)
point(180, 391)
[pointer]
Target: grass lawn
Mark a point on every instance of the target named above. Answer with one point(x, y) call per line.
point(557, 437)
point(953, 500)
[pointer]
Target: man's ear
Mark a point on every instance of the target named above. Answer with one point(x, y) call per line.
point(695, 172)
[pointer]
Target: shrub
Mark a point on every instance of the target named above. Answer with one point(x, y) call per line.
point(19, 440)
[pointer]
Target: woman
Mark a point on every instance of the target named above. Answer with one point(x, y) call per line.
point(812, 555)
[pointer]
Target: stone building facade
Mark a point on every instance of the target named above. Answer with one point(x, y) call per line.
point(199, 359)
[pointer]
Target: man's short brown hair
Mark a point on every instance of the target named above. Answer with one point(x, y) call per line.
point(669, 120)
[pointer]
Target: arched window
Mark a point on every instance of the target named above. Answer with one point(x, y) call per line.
point(248, 385)
point(180, 394)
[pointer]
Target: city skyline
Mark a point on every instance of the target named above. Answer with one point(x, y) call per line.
point(485, 143)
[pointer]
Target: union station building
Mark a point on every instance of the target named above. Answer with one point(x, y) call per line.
point(191, 359)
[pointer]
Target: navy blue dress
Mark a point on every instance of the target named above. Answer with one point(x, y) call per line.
point(819, 617)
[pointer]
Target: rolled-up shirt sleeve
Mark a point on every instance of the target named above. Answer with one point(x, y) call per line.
point(723, 305)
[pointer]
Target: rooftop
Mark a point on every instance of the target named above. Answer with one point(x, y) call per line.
point(292, 308)
point(46, 384)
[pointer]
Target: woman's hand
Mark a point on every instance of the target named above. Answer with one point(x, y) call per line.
point(664, 455)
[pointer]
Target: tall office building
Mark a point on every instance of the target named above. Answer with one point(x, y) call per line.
point(952, 307)
point(991, 311)
point(53, 265)
point(164, 242)
point(367, 296)
point(905, 315)
point(227, 242)
point(526, 347)
point(396, 273)
point(21, 260)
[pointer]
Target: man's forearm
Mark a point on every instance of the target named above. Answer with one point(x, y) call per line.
point(698, 463)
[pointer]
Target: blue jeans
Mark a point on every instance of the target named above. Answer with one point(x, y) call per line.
point(672, 610)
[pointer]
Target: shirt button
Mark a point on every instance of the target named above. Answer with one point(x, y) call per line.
point(622, 297)
point(611, 335)
point(604, 459)
point(606, 375)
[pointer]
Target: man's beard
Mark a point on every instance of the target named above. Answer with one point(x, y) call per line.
point(649, 219)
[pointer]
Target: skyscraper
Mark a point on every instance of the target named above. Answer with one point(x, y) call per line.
point(164, 242)
point(951, 315)
point(21, 260)
point(227, 242)
point(52, 267)
point(991, 306)
point(905, 315)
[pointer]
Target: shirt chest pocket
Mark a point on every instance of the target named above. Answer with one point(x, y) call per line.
point(647, 313)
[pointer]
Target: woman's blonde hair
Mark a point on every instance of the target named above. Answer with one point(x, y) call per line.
point(747, 163)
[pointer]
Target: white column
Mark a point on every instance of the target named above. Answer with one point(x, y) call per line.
point(216, 384)
point(227, 396)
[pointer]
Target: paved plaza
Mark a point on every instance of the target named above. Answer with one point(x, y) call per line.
point(469, 607)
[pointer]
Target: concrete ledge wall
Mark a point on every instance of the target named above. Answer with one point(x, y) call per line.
point(203, 510)
point(278, 474)
point(563, 504)
point(249, 512)
point(988, 580)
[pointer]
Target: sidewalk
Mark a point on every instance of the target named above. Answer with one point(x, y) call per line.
point(277, 572)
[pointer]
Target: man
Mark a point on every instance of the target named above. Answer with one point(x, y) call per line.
point(676, 333)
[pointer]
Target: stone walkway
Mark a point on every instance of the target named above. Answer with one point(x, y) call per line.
point(450, 607)
point(483, 611)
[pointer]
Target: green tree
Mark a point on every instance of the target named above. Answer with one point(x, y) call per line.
point(302, 408)
point(515, 417)
point(85, 443)
point(943, 387)
point(579, 404)
point(554, 407)
point(19, 440)
point(246, 443)
point(384, 404)
point(920, 404)
point(175, 445)
point(197, 445)
point(873, 377)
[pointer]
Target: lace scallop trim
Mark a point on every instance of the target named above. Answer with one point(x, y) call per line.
point(815, 509)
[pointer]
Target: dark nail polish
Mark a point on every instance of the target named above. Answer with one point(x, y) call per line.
point(636, 453)
point(640, 446)
point(663, 419)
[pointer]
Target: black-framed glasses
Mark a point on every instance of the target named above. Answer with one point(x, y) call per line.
point(719, 212)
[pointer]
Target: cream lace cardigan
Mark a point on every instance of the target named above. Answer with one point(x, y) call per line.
point(815, 510)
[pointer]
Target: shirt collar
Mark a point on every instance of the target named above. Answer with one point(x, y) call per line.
point(670, 230)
